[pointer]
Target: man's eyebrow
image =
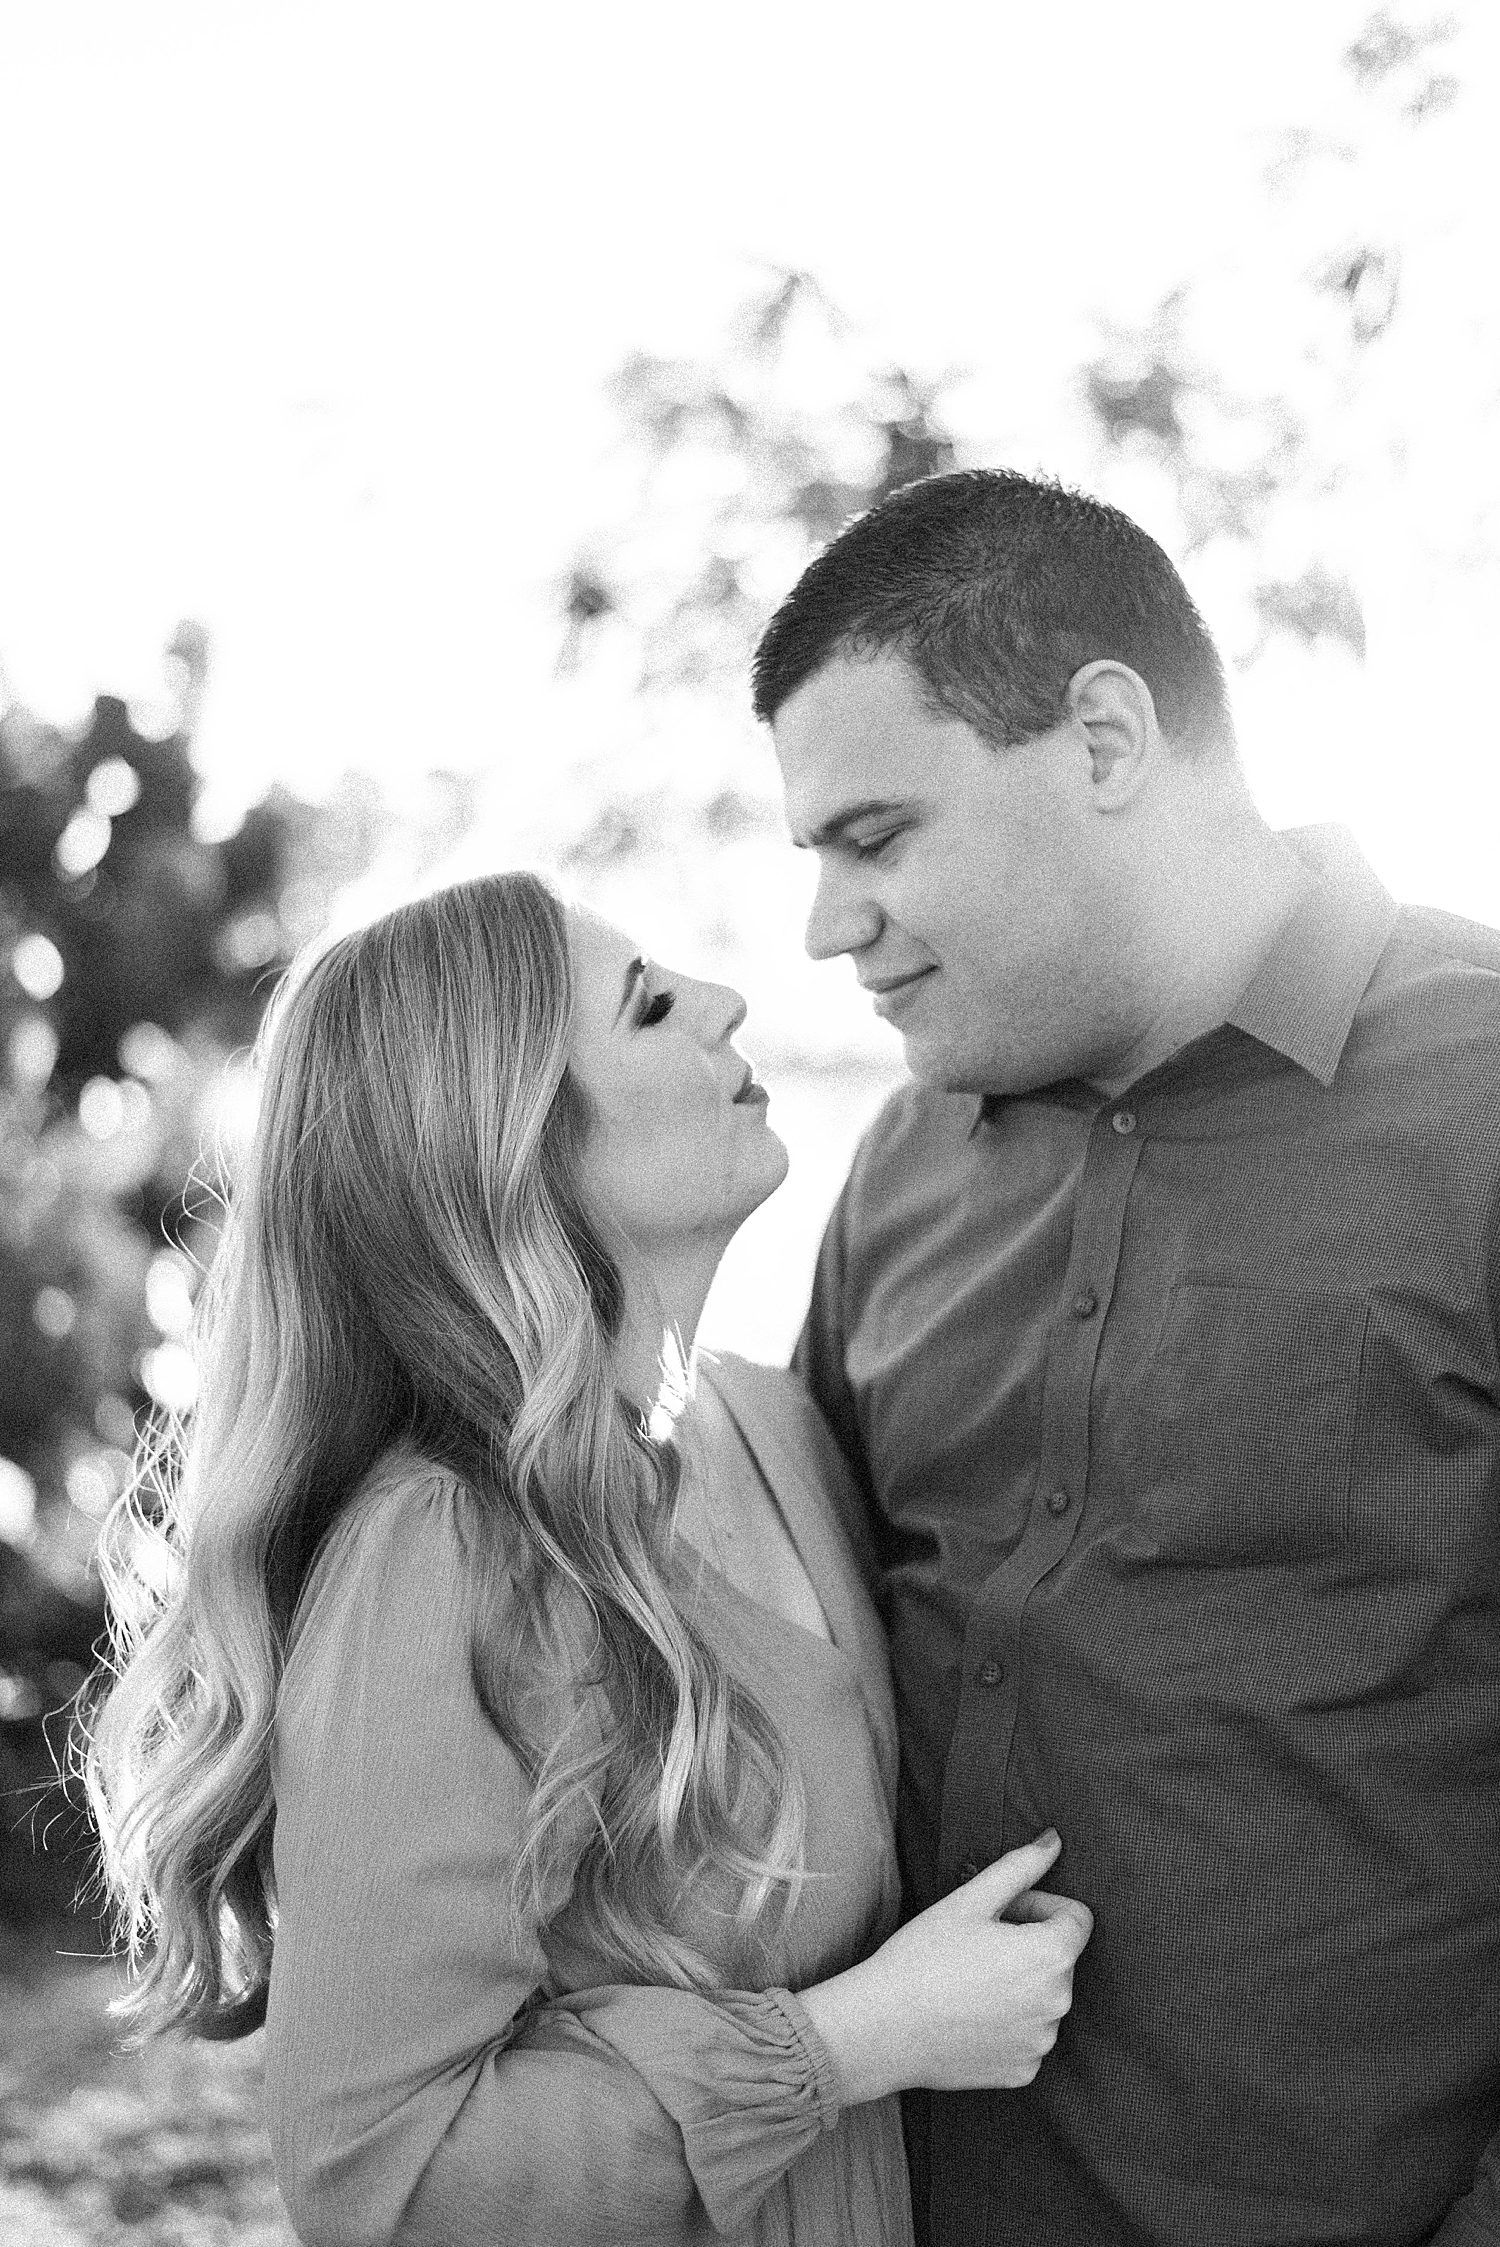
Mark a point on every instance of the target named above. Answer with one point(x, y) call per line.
point(833, 829)
point(633, 974)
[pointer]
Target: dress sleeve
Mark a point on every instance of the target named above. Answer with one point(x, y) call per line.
point(416, 2091)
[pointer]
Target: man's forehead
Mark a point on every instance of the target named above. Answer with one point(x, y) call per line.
point(875, 690)
point(848, 749)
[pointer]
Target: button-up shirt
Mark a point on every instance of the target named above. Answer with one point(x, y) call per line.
point(1177, 1419)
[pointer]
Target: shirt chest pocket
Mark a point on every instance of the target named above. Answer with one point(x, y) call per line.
point(1251, 1409)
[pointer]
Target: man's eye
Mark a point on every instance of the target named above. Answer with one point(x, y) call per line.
point(656, 1010)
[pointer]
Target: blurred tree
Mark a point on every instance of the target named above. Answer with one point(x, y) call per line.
point(136, 955)
point(1254, 421)
point(739, 469)
point(735, 469)
point(1266, 416)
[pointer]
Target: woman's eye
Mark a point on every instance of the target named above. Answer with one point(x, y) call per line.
point(871, 846)
point(656, 1010)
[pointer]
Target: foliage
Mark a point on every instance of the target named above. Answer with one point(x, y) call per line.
point(1264, 416)
point(136, 953)
point(162, 2146)
point(1256, 421)
point(739, 468)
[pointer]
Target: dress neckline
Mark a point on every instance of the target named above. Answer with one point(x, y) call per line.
point(786, 1492)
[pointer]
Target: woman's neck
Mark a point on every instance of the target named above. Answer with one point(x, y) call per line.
point(664, 1299)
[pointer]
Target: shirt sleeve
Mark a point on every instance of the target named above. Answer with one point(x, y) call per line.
point(1474, 2221)
point(416, 2090)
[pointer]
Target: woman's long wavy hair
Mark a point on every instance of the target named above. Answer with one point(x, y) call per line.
point(410, 1260)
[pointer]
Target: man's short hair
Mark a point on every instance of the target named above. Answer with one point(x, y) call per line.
point(996, 588)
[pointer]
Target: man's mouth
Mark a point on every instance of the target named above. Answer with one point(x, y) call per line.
point(888, 991)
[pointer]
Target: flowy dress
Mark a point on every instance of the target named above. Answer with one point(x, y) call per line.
point(428, 2083)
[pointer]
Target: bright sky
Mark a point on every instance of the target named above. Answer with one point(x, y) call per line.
point(305, 307)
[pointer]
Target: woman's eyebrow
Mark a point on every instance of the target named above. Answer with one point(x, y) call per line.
point(633, 974)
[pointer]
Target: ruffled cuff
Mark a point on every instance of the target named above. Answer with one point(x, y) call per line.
point(744, 2074)
point(825, 2082)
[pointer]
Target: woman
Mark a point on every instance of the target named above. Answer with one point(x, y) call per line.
point(517, 1766)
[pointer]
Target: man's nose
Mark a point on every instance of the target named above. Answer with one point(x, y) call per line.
point(841, 920)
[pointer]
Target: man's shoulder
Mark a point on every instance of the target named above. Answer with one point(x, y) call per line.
point(1436, 992)
point(1448, 939)
point(1424, 1046)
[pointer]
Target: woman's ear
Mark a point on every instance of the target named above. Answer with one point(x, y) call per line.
point(1114, 707)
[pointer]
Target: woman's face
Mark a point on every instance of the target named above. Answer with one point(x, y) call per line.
point(680, 1147)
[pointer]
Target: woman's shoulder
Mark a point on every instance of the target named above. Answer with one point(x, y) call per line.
point(778, 1414)
point(391, 1563)
point(377, 1682)
point(773, 1390)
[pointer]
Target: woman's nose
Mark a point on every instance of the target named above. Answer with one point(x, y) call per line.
point(720, 1011)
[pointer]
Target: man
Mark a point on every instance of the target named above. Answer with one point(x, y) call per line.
point(1158, 1320)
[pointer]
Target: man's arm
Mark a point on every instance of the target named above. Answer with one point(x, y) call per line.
point(1474, 2221)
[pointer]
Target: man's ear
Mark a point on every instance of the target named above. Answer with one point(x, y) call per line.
point(1114, 707)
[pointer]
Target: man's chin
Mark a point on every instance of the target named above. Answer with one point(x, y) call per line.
point(940, 1069)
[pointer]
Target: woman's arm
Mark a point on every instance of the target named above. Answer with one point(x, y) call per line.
point(627, 2114)
point(412, 2093)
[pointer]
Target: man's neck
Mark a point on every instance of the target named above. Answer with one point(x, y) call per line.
point(1229, 907)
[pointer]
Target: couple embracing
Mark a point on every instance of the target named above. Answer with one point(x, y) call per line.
point(1028, 1777)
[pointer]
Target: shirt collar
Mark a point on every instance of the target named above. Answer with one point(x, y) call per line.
point(1302, 997)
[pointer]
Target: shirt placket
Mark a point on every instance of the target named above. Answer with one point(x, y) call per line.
point(993, 1677)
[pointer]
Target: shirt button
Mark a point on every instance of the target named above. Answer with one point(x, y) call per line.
point(1123, 1120)
point(1059, 1502)
point(990, 1673)
point(969, 1869)
point(1085, 1304)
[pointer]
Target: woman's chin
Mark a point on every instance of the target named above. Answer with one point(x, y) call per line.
point(760, 1179)
point(778, 1163)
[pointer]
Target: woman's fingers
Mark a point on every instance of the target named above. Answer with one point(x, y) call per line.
point(967, 1994)
point(998, 1887)
point(1038, 1904)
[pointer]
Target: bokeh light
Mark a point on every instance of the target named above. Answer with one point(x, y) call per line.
point(114, 787)
point(17, 1504)
point(82, 843)
point(37, 966)
point(101, 1108)
point(32, 1050)
point(55, 1313)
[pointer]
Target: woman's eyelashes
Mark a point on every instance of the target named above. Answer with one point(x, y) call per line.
point(655, 1010)
point(871, 846)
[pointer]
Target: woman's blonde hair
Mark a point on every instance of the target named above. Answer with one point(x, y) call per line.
point(409, 1259)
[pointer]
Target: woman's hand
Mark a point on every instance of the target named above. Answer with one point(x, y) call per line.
point(965, 1997)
